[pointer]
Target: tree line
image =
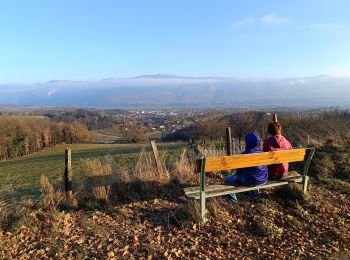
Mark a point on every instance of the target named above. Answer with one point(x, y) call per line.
point(332, 126)
point(22, 135)
point(91, 119)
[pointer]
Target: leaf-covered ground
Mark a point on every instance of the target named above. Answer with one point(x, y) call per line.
point(274, 227)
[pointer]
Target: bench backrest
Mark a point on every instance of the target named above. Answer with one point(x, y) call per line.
point(249, 160)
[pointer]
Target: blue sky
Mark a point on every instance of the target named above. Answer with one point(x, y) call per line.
point(91, 40)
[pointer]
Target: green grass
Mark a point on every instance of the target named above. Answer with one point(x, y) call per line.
point(115, 133)
point(111, 131)
point(23, 174)
point(155, 135)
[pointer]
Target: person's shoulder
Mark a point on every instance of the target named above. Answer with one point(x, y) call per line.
point(251, 150)
point(268, 144)
point(285, 141)
point(282, 137)
point(269, 139)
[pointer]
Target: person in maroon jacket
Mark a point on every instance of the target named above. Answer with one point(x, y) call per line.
point(276, 142)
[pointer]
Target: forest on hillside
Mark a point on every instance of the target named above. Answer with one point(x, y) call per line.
point(22, 135)
point(298, 127)
point(90, 118)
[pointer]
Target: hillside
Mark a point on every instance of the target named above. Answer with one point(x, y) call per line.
point(22, 175)
point(123, 208)
point(281, 225)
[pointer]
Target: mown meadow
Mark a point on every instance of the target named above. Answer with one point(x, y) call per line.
point(20, 177)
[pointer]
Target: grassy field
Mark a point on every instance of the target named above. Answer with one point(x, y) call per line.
point(113, 131)
point(23, 174)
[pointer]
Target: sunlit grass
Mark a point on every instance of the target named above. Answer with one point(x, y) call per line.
point(115, 130)
point(24, 173)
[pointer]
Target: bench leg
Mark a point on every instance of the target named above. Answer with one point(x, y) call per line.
point(305, 182)
point(202, 201)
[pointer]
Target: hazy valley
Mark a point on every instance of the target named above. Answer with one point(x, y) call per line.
point(167, 91)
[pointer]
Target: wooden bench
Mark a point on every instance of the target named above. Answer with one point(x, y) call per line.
point(214, 164)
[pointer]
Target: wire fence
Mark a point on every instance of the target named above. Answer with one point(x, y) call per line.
point(214, 148)
point(218, 147)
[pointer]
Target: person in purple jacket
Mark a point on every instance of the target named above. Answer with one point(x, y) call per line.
point(250, 176)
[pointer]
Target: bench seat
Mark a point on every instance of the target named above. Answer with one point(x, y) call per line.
point(220, 189)
point(220, 163)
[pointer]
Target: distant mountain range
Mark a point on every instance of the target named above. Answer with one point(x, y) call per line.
point(170, 91)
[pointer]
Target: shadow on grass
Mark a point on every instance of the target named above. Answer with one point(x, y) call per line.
point(126, 191)
point(171, 207)
point(17, 195)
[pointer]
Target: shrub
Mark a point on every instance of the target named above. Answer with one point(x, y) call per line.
point(96, 174)
point(14, 216)
point(105, 180)
point(290, 195)
point(260, 226)
point(188, 214)
point(183, 170)
point(331, 167)
point(51, 199)
point(342, 166)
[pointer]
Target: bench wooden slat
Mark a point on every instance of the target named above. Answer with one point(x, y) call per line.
point(232, 189)
point(193, 190)
point(219, 190)
point(225, 166)
point(250, 160)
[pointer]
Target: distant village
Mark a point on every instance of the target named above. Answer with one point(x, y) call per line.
point(166, 121)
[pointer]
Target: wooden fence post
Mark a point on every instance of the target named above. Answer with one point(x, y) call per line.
point(204, 152)
point(157, 158)
point(68, 173)
point(275, 120)
point(234, 146)
point(240, 144)
point(228, 141)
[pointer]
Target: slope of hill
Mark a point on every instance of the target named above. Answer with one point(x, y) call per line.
point(166, 91)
